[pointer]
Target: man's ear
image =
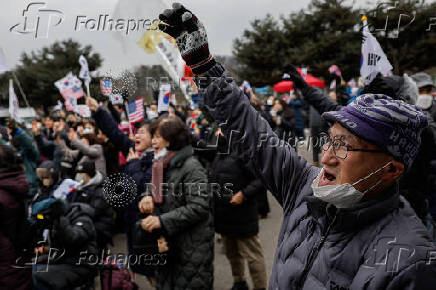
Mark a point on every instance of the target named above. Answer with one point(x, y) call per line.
point(393, 171)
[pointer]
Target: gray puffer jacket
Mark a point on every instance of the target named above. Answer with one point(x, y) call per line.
point(379, 244)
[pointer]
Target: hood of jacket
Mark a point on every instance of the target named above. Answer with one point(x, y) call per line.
point(96, 180)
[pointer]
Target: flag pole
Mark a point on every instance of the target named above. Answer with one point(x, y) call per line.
point(20, 88)
point(87, 90)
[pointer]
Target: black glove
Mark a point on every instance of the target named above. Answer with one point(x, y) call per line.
point(296, 77)
point(190, 36)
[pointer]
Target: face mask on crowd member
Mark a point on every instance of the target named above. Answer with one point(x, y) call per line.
point(359, 161)
point(88, 130)
point(152, 114)
point(425, 86)
point(82, 178)
point(84, 172)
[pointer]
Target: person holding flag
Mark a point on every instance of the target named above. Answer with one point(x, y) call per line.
point(139, 154)
point(345, 225)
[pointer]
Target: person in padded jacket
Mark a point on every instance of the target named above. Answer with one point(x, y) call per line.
point(414, 184)
point(181, 208)
point(345, 226)
point(13, 193)
point(67, 260)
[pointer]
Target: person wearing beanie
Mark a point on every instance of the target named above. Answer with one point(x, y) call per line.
point(48, 180)
point(345, 226)
point(90, 191)
point(64, 258)
point(415, 185)
point(425, 100)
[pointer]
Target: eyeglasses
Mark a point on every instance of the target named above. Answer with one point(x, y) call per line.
point(340, 149)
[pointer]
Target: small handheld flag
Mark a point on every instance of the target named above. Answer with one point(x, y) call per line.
point(84, 72)
point(116, 99)
point(164, 98)
point(13, 103)
point(106, 87)
point(135, 110)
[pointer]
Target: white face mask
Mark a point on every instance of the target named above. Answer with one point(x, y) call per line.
point(80, 178)
point(424, 101)
point(152, 114)
point(88, 131)
point(342, 195)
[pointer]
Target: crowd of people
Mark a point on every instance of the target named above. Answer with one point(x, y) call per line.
point(344, 225)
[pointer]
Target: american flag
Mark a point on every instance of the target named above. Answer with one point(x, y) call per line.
point(106, 87)
point(135, 111)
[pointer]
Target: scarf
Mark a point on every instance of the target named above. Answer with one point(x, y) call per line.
point(161, 161)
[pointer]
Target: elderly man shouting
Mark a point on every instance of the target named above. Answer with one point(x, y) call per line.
point(345, 226)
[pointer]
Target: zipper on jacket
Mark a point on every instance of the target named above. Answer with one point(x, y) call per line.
point(314, 253)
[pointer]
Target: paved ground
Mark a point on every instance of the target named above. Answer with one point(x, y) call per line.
point(269, 230)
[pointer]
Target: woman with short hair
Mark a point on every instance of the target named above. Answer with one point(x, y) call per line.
point(184, 214)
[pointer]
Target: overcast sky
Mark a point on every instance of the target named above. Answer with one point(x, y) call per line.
point(224, 20)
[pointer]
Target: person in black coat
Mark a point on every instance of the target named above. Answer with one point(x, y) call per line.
point(67, 259)
point(283, 118)
point(236, 215)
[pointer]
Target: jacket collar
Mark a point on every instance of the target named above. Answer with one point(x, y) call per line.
point(362, 214)
point(181, 156)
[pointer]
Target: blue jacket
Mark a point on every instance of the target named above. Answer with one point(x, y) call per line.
point(378, 244)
